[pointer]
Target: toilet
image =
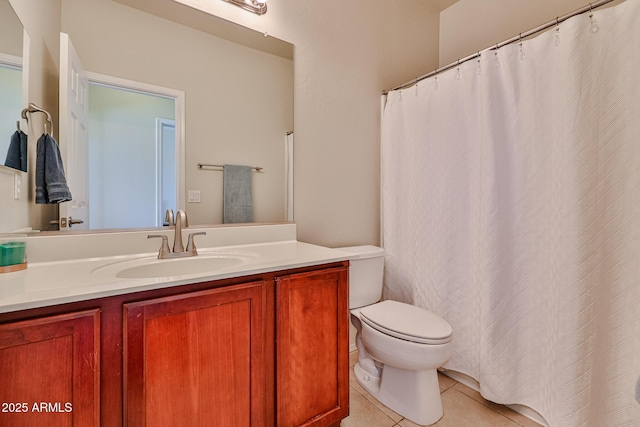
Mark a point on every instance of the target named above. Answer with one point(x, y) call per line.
point(400, 346)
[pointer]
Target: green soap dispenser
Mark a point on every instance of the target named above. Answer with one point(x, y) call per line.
point(13, 252)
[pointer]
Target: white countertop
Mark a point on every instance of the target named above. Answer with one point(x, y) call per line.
point(63, 281)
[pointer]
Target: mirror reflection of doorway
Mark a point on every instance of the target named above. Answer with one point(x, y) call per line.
point(166, 156)
point(132, 157)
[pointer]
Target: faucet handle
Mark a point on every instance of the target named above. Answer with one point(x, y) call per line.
point(164, 248)
point(191, 245)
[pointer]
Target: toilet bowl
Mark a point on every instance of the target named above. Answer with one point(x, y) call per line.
point(400, 346)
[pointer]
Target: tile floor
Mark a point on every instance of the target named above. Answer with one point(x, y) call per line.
point(463, 407)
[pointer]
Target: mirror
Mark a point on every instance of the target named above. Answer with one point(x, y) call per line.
point(238, 92)
point(13, 147)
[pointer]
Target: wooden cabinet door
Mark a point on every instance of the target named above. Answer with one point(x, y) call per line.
point(50, 371)
point(312, 348)
point(196, 359)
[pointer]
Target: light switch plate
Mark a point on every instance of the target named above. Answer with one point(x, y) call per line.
point(194, 196)
point(17, 186)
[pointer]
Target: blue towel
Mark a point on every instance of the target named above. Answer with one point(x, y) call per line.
point(17, 153)
point(237, 204)
point(51, 185)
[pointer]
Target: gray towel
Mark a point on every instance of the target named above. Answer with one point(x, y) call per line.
point(17, 153)
point(51, 185)
point(237, 204)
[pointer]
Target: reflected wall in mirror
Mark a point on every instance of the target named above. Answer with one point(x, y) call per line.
point(13, 143)
point(130, 132)
point(238, 99)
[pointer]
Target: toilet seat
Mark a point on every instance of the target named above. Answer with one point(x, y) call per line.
point(407, 322)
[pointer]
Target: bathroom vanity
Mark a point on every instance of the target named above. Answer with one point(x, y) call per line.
point(263, 343)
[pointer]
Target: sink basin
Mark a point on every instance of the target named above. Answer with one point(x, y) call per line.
point(178, 267)
point(152, 267)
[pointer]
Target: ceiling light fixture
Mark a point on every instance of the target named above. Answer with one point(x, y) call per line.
point(258, 7)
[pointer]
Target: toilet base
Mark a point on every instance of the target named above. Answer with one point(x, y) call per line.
point(413, 394)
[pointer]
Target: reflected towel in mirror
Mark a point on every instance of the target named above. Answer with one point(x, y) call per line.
point(237, 204)
point(51, 184)
point(17, 153)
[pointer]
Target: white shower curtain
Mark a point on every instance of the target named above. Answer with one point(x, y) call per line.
point(511, 207)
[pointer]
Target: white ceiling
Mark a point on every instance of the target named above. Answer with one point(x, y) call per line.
point(441, 4)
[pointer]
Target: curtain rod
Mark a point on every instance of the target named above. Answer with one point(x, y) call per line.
point(514, 39)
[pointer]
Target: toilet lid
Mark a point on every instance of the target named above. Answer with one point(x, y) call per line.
point(407, 322)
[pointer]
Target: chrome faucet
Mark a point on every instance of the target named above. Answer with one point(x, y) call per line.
point(181, 221)
point(178, 246)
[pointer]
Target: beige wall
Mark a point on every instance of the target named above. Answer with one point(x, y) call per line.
point(10, 30)
point(470, 25)
point(346, 53)
point(356, 50)
point(239, 101)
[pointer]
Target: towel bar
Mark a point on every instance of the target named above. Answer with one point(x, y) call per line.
point(33, 108)
point(201, 165)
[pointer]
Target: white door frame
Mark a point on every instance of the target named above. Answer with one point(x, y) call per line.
point(73, 126)
point(178, 96)
point(160, 125)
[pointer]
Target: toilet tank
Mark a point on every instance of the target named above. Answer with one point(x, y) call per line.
point(365, 275)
